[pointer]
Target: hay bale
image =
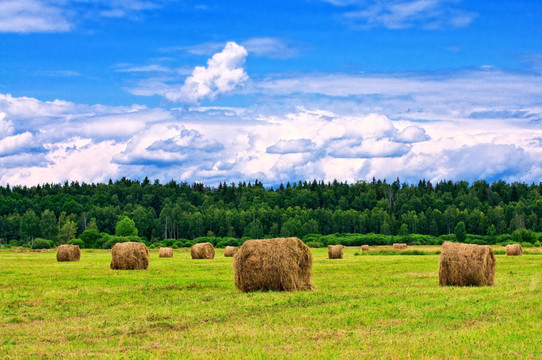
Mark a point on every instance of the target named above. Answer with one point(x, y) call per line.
point(165, 252)
point(364, 247)
point(281, 264)
point(399, 246)
point(513, 250)
point(68, 253)
point(335, 251)
point(129, 256)
point(202, 251)
point(466, 265)
point(230, 251)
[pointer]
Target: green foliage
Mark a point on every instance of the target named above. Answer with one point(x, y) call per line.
point(48, 225)
point(30, 224)
point(40, 243)
point(67, 232)
point(126, 227)
point(91, 238)
point(315, 244)
point(460, 232)
point(77, 242)
point(398, 212)
point(120, 239)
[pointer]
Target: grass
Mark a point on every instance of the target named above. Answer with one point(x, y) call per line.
point(363, 307)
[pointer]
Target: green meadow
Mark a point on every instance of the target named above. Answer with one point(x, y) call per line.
point(384, 306)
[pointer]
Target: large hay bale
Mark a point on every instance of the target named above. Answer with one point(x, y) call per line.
point(281, 264)
point(399, 246)
point(202, 251)
point(165, 252)
point(230, 251)
point(129, 256)
point(514, 250)
point(68, 253)
point(335, 251)
point(364, 247)
point(466, 265)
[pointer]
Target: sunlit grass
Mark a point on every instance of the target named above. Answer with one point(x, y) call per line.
point(363, 307)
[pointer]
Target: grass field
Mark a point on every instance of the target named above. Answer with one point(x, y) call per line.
point(383, 306)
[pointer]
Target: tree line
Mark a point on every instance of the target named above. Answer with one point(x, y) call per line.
point(184, 212)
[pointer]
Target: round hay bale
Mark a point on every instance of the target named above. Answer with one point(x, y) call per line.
point(513, 250)
point(202, 251)
point(281, 264)
point(335, 251)
point(466, 265)
point(230, 251)
point(165, 252)
point(399, 246)
point(68, 253)
point(129, 256)
point(364, 247)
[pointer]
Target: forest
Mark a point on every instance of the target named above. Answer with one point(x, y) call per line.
point(180, 214)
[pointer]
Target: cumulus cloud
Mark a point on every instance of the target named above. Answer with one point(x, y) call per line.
point(16, 143)
point(168, 144)
point(6, 127)
point(291, 146)
point(411, 134)
point(224, 72)
point(58, 141)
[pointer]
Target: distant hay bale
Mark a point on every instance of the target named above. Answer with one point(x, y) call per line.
point(68, 253)
point(230, 251)
point(514, 250)
point(335, 251)
point(399, 246)
point(281, 264)
point(129, 256)
point(364, 247)
point(466, 265)
point(202, 251)
point(165, 252)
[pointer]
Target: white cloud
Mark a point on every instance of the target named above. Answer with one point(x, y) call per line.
point(291, 146)
point(26, 16)
point(269, 47)
point(6, 126)
point(398, 14)
point(15, 143)
point(411, 134)
point(32, 16)
point(224, 72)
point(58, 141)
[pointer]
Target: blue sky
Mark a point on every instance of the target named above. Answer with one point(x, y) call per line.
point(217, 91)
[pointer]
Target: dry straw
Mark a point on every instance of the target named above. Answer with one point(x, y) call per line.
point(281, 264)
point(513, 250)
point(129, 256)
point(399, 246)
point(230, 251)
point(202, 251)
point(364, 247)
point(68, 253)
point(466, 265)
point(335, 251)
point(165, 252)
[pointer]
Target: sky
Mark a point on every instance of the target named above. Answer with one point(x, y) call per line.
point(229, 91)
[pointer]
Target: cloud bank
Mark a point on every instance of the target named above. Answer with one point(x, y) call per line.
point(58, 141)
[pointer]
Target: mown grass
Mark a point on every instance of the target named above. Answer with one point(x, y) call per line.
point(363, 307)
